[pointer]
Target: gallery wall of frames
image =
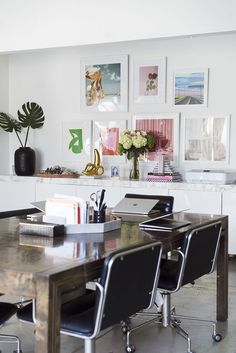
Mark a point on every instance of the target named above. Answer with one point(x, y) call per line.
point(170, 88)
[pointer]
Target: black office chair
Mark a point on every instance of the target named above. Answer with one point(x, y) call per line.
point(20, 212)
point(196, 257)
point(165, 203)
point(128, 284)
point(7, 310)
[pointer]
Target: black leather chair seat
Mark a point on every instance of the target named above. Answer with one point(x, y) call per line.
point(6, 311)
point(75, 315)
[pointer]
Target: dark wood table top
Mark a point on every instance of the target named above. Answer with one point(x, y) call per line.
point(36, 254)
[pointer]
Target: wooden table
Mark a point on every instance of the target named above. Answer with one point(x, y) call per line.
point(55, 270)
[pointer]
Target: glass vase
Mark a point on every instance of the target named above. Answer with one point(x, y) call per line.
point(134, 169)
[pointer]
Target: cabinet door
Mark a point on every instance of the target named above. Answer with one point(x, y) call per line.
point(16, 195)
point(45, 190)
point(229, 208)
point(197, 201)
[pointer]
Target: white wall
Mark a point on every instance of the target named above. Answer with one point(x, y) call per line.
point(4, 136)
point(33, 24)
point(51, 78)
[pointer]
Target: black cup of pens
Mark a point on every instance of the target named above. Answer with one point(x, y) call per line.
point(99, 213)
point(99, 216)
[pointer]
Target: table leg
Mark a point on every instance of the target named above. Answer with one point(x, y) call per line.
point(47, 329)
point(222, 276)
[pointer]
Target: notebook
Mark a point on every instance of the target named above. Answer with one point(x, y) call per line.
point(163, 224)
point(136, 206)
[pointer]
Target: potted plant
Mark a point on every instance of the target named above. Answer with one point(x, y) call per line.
point(32, 116)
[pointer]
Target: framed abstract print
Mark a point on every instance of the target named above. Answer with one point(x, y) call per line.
point(206, 139)
point(165, 127)
point(104, 84)
point(106, 135)
point(76, 141)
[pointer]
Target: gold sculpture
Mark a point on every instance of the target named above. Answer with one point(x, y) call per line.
point(94, 168)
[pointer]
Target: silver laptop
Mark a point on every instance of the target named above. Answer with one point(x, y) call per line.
point(135, 206)
point(40, 205)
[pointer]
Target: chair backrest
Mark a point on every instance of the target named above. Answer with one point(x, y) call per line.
point(20, 212)
point(129, 279)
point(165, 203)
point(200, 248)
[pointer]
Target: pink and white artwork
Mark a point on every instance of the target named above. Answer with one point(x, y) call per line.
point(148, 80)
point(165, 129)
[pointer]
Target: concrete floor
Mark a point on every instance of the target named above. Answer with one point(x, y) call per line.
point(197, 300)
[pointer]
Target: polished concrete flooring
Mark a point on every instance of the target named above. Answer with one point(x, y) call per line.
point(197, 300)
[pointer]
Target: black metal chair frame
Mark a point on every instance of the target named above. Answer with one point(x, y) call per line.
point(168, 317)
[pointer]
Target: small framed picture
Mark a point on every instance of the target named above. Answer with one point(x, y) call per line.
point(115, 171)
point(149, 80)
point(104, 84)
point(191, 87)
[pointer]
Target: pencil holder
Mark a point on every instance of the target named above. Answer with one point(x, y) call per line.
point(99, 216)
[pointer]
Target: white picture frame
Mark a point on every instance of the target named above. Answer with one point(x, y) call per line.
point(206, 139)
point(104, 84)
point(76, 140)
point(106, 134)
point(149, 83)
point(165, 126)
point(190, 87)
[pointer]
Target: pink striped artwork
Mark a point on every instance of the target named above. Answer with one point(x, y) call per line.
point(163, 130)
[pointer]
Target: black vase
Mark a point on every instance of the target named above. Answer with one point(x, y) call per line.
point(24, 161)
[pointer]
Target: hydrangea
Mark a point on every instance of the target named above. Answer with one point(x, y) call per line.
point(135, 142)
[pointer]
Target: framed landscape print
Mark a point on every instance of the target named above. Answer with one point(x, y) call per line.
point(165, 127)
point(191, 87)
point(76, 141)
point(104, 84)
point(206, 139)
point(106, 135)
point(149, 80)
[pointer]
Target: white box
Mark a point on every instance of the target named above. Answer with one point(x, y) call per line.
point(211, 176)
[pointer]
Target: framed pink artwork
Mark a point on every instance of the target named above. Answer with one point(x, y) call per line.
point(165, 127)
point(149, 80)
point(106, 138)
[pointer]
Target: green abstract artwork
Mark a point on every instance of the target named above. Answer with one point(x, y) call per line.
point(76, 143)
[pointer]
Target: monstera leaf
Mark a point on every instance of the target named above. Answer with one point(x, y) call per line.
point(32, 116)
point(9, 124)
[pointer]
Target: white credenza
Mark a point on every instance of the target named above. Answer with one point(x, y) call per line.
point(18, 192)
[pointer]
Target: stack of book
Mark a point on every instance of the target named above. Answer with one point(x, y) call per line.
point(164, 172)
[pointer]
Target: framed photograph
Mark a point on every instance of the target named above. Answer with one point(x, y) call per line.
point(191, 87)
point(165, 127)
point(115, 171)
point(206, 139)
point(76, 141)
point(106, 135)
point(104, 84)
point(149, 80)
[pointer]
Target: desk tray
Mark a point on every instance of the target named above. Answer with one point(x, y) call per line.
point(92, 227)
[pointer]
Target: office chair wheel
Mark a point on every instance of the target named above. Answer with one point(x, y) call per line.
point(217, 337)
point(130, 348)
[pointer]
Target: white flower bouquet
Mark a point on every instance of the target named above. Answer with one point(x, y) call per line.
point(135, 142)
